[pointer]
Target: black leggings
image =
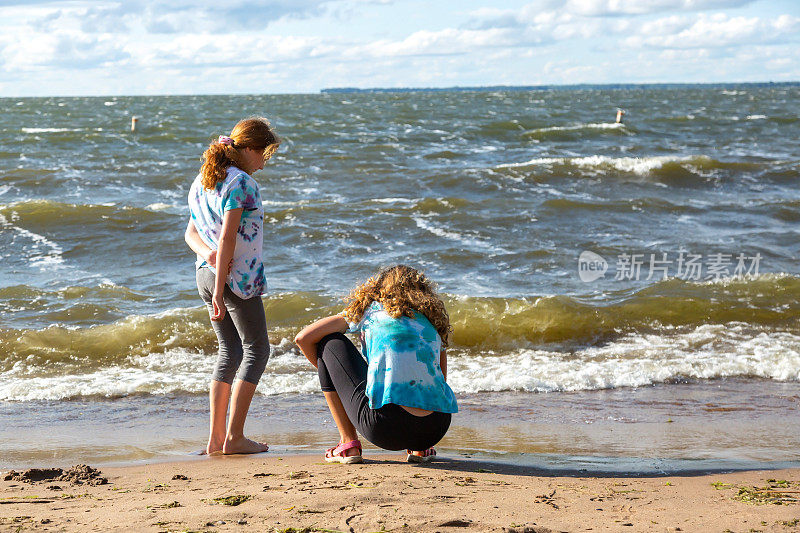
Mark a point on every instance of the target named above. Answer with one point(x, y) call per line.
point(342, 369)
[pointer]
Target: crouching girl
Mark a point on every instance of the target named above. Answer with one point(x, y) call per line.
point(397, 398)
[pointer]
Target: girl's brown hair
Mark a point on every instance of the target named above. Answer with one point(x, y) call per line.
point(255, 133)
point(401, 290)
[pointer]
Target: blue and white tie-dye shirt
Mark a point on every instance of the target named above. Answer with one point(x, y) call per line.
point(237, 190)
point(403, 361)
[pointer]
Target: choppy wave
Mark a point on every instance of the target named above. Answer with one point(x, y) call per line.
point(662, 170)
point(786, 210)
point(479, 323)
point(465, 239)
point(671, 330)
point(44, 212)
point(40, 251)
point(48, 130)
point(590, 126)
point(503, 323)
point(704, 352)
point(633, 204)
point(60, 130)
point(378, 206)
point(635, 165)
point(41, 234)
point(172, 371)
point(573, 130)
point(65, 348)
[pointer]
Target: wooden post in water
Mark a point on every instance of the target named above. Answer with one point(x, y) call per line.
point(134, 123)
point(620, 112)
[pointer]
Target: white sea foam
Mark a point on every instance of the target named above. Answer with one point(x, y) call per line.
point(47, 130)
point(158, 373)
point(41, 252)
point(708, 351)
point(277, 203)
point(448, 234)
point(756, 117)
point(635, 165)
point(484, 149)
point(593, 126)
point(395, 200)
point(159, 206)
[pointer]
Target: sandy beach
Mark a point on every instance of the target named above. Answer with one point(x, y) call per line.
point(290, 493)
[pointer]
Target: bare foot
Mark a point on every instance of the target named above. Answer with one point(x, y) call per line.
point(243, 445)
point(214, 446)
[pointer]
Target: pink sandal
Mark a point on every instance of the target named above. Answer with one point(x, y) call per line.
point(336, 454)
point(426, 457)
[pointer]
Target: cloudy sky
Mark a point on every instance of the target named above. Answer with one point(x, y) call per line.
point(295, 46)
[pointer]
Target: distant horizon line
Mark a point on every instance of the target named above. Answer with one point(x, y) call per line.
point(454, 88)
point(555, 86)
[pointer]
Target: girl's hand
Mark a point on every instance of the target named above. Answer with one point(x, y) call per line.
point(218, 305)
point(211, 258)
point(308, 338)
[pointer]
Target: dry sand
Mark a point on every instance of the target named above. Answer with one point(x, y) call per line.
point(279, 493)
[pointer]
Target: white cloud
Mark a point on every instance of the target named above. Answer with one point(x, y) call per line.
point(65, 50)
point(178, 16)
point(444, 42)
point(595, 8)
point(714, 31)
point(201, 50)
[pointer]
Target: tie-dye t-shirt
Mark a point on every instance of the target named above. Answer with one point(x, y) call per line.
point(237, 190)
point(403, 361)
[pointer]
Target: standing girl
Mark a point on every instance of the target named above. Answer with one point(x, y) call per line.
point(398, 398)
point(225, 231)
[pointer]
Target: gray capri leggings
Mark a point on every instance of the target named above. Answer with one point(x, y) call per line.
point(242, 334)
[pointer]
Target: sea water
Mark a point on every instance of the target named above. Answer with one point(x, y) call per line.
point(592, 270)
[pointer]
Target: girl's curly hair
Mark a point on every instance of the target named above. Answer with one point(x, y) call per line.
point(401, 290)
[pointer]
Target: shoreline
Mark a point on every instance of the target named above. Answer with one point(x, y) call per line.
point(663, 429)
point(545, 465)
point(275, 492)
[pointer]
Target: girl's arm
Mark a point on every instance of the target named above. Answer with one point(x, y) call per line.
point(309, 336)
point(192, 238)
point(443, 362)
point(227, 244)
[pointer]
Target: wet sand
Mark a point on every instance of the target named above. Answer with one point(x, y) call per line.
point(274, 492)
point(663, 429)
